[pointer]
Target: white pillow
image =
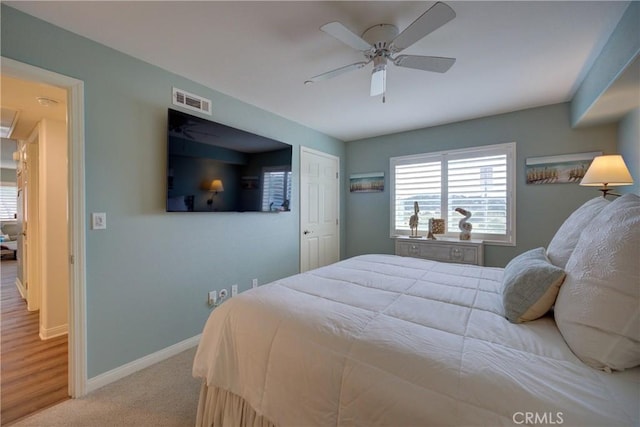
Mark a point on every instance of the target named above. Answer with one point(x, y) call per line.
point(566, 238)
point(598, 306)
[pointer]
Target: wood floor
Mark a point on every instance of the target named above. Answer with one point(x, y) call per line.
point(33, 373)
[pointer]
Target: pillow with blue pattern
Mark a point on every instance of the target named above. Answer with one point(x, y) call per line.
point(530, 286)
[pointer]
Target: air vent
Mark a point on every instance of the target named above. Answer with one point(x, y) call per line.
point(191, 101)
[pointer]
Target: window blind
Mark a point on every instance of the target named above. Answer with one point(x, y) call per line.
point(8, 201)
point(419, 182)
point(276, 183)
point(478, 184)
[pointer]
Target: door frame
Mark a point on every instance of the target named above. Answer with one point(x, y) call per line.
point(77, 347)
point(303, 151)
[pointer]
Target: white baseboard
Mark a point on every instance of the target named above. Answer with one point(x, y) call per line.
point(46, 334)
point(21, 288)
point(139, 364)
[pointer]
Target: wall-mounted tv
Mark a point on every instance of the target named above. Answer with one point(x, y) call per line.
point(213, 167)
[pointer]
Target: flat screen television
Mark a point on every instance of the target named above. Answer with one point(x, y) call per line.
point(213, 167)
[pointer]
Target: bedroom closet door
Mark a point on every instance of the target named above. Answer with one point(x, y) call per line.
point(319, 209)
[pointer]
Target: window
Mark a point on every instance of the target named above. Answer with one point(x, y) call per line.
point(480, 180)
point(276, 189)
point(8, 201)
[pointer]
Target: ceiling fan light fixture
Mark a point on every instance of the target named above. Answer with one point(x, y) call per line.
point(382, 42)
point(379, 76)
point(378, 81)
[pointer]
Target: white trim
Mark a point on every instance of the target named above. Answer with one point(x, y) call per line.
point(46, 334)
point(21, 288)
point(77, 241)
point(77, 272)
point(139, 364)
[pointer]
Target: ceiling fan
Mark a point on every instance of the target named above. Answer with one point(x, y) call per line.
point(380, 43)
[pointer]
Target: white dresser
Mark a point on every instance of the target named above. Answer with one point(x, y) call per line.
point(443, 249)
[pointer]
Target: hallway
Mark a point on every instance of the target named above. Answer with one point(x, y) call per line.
point(34, 373)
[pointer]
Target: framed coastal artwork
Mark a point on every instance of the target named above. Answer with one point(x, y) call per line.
point(564, 169)
point(366, 182)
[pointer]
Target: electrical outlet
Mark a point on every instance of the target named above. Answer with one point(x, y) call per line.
point(223, 294)
point(254, 283)
point(212, 297)
point(234, 290)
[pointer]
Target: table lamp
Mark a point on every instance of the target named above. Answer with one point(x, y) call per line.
point(607, 171)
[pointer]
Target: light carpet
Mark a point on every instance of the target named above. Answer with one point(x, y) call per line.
point(163, 395)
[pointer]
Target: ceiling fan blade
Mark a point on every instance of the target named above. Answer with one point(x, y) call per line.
point(435, 17)
point(346, 36)
point(425, 63)
point(336, 72)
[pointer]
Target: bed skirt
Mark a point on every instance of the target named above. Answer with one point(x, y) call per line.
point(218, 407)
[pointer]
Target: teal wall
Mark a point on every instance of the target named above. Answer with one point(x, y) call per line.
point(620, 50)
point(148, 274)
point(8, 175)
point(629, 148)
point(540, 209)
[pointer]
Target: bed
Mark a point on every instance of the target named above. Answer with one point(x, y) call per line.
point(382, 340)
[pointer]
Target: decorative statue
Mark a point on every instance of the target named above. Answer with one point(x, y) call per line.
point(465, 227)
point(413, 220)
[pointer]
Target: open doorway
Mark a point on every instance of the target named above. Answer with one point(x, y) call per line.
point(34, 358)
point(55, 236)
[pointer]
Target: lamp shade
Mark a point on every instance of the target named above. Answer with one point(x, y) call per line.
point(607, 170)
point(216, 186)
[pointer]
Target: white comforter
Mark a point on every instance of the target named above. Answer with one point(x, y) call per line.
point(383, 340)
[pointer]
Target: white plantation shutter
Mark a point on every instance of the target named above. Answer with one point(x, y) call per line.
point(417, 182)
point(8, 201)
point(480, 180)
point(479, 184)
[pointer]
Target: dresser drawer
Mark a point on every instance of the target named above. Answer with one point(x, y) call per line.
point(463, 252)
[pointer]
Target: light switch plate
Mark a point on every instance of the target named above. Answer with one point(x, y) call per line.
point(98, 221)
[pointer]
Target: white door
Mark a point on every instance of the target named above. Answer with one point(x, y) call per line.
point(319, 209)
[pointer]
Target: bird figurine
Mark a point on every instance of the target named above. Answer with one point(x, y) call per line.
point(464, 226)
point(413, 220)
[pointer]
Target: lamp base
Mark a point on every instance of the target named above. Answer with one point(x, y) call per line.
point(606, 191)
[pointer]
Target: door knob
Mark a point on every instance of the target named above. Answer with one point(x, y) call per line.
point(307, 232)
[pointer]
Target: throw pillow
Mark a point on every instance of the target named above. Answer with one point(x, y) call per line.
point(598, 307)
point(564, 241)
point(530, 286)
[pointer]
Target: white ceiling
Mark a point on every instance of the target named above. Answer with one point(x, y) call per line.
point(22, 96)
point(510, 55)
